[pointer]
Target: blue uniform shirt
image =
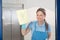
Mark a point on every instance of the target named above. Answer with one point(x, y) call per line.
point(41, 28)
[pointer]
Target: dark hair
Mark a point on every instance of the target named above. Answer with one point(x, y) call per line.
point(46, 24)
point(42, 10)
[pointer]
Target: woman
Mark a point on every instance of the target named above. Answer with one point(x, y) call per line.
point(40, 28)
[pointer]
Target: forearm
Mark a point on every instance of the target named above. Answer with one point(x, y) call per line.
point(24, 32)
point(49, 36)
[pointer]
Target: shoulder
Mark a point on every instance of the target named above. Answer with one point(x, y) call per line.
point(49, 25)
point(32, 22)
point(49, 28)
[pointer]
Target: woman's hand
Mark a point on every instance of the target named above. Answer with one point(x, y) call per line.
point(24, 32)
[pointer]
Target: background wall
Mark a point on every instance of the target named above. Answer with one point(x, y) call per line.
point(49, 4)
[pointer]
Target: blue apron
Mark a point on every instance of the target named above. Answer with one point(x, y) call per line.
point(38, 35)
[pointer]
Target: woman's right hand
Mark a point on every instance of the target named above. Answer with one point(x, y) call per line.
point(24, 32)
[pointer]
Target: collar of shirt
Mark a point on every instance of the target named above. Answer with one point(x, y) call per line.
point(40, 25)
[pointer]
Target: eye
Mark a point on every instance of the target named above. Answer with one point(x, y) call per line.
point(39, 15)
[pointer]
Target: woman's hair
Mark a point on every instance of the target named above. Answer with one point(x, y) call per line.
point(43, 10)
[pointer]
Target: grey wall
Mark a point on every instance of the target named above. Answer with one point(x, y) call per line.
point(49, 4)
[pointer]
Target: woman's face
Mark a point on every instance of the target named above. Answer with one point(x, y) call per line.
point(40, 16)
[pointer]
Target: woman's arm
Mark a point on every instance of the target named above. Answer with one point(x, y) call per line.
point(49, 35)
point(29, 27)
point(24, 32)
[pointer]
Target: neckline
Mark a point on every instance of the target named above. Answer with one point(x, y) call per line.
point(40, 25)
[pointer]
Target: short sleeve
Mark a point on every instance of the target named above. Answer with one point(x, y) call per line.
point(49, 28)
point(30, 25)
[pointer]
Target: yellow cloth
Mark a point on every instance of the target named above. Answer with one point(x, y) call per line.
point(22, 16)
